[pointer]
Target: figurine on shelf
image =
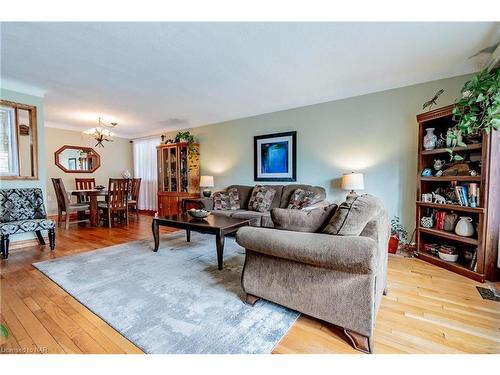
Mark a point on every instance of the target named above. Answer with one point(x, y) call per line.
point(449, 137)
point(438, 198)
point(438, 164)
point(440, 141)
point(427, 172)
point(439, 173)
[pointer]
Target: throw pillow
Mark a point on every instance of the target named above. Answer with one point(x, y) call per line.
point(303, 198)
point(234, 199)
point(302, 221)
point(261, 198)
point(221, 201)
point(352, 216)
point(227, 200)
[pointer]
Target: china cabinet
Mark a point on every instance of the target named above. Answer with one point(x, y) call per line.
point(178, 176)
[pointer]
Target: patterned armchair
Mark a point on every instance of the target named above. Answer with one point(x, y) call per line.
point(21, 211)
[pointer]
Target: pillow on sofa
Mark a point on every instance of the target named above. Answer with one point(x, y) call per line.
point(234, 199)
point(302, 221)
point(227, 200)
point(303, 198)
point(352, 216)
point(261, 198)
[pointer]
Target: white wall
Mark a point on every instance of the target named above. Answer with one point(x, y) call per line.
point(375, 134)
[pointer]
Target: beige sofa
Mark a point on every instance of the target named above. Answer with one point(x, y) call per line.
point(261, 219)
point(338, 279)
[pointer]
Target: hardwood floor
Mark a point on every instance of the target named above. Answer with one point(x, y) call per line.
point(427, 309)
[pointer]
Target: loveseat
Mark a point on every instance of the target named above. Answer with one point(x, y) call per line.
point(22, 211)
point(261, 219)
point(337, 274)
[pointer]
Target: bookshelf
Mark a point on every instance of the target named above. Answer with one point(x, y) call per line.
point(486, 216)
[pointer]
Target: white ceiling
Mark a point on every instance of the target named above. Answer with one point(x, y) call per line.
point(151, 77)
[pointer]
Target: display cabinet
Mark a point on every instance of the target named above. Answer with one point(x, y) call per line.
point(178, 176)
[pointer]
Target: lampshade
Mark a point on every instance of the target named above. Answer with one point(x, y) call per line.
point(353, 181)
point(207, 181)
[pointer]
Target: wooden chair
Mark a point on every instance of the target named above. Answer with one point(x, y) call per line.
point(65, 205)
point(84, 184)
point(134, 195)
point(117, 201)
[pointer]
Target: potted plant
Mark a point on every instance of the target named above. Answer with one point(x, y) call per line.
point(186, 136)
point(478, 109)
point(398, 234)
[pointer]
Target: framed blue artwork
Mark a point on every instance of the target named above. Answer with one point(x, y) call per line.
point(275, 157)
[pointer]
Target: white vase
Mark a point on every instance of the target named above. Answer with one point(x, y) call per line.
point(464, 227)
point(430, 139)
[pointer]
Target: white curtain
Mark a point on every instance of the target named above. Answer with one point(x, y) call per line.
point(145, 168)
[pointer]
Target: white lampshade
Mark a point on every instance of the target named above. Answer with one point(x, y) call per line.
point(207, 181)
point(353, 181)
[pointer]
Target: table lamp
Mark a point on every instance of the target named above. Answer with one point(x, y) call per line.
point(206, 182)
point(352, 181)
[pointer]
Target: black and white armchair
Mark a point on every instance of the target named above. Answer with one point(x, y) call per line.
point(22, 211)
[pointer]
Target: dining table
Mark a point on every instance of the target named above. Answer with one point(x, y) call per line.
point(92, 195)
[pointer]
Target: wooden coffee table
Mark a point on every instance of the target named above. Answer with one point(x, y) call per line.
point(218, 225)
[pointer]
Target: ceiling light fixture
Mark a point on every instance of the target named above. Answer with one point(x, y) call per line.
point(101, 132)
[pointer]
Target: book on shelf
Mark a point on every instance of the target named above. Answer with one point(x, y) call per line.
point(458, 195)
point(473, 194)
point(462, 195)
point(473, 262)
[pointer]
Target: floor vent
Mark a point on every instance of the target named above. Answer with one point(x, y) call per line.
point(487, 294)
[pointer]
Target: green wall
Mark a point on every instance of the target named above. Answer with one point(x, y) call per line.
point(375, 134)
point(40, 182)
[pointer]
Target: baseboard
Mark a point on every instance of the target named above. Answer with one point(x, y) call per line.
point(146, 212)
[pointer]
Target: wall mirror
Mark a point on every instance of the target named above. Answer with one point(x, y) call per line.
point(77, 159)
point(18, 141)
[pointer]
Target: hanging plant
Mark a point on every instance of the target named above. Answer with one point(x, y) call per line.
point(190, 139)
point(477, 109)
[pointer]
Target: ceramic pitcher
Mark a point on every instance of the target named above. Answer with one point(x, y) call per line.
point(464, 227)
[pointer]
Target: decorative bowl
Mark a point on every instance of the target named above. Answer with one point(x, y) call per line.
point(198, 214)
point(431, 248)
point(99, 187)
point(448, 257)
point(448, 249)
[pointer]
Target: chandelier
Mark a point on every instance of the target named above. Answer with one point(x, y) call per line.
point(101, 133)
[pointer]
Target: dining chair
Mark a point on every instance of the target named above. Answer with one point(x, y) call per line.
point(84, 184)
point(64, 204)
point(135, 188)
point(117, 202)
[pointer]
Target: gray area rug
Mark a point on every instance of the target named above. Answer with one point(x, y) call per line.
point(175, 300)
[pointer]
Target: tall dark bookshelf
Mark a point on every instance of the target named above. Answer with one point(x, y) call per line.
point(486, 216)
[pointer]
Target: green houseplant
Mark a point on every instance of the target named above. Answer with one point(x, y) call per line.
point(398, 234)
point(477, 109)
point(186, 136)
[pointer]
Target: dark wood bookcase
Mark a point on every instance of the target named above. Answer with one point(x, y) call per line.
point(486, 217)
